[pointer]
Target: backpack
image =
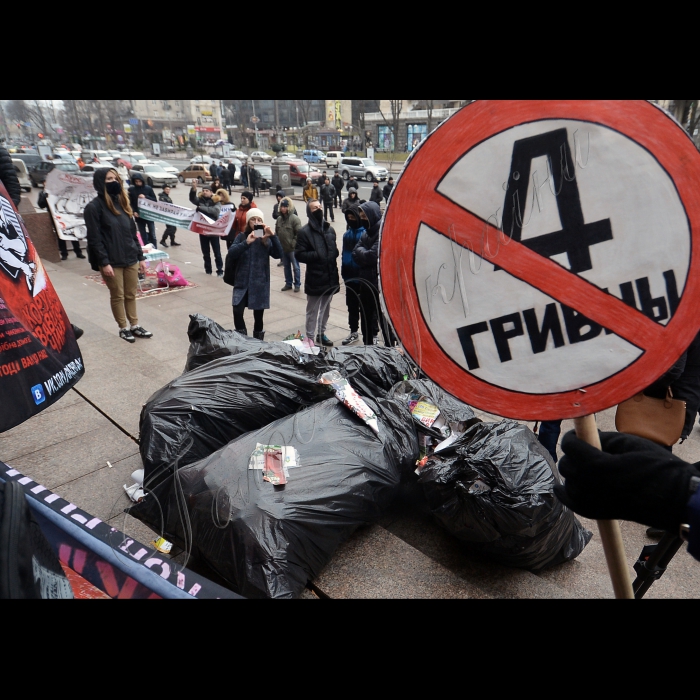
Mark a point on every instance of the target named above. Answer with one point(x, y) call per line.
point(29, 568)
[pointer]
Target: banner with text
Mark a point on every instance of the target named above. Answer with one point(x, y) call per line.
point(39, 356)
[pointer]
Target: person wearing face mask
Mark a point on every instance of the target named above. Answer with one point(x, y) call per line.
point(114, 250)
point(207, 206)
point(316, 247)
point(140, 190)
point(250, 255)
point(349, 271)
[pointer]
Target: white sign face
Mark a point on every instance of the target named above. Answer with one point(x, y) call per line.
point(67, 196)
point(588, 198)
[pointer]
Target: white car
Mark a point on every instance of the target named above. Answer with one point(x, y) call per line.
point(260, 156)
point(201, 159)
point(167, 167)
point(22, 173)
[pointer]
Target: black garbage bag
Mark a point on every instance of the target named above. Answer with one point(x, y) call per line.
point(371, 369)
point(209, 341)
point(203, 410)
point(453, 411)
point(493, 489)
point(266, 540)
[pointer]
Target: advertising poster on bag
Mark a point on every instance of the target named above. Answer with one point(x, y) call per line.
point(39, 356)
point(67, 196)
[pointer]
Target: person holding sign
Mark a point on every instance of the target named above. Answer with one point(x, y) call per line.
point(114, 250)
point(250, 255)
point(207, 206)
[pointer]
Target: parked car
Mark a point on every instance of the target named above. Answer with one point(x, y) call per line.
point(23, 174)
point(299, 171)
point(66, 156)
point(314, 156)
point(238, 154)
point(201, 159)
point(333, 158)
point(30, 159)
point(167, 167)
point(38, 173)
point(284, 157)
point(260, 157)
point(362, 168)
point(194, 172)
point(90, 168)
point(265, 171)
point(89, 156)
point(154, 175)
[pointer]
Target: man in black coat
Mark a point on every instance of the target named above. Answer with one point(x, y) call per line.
point(140, 190)
point(214, 170)
point(254, 180)
point(327, 196)
point(317, 249)
point(352, 182)
point(232, 170)
point(387, 189)
point(225, 177)
point(207, 206)
point(338, 183)
point(376, 194)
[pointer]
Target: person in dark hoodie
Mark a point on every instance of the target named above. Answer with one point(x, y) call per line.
point(327, 195)
point(352, 200)
point(207, 206)
point(317, 249)
point(114, 250)
point(338, 183)
point(366, 255)
point(349, 270)
point(164, 196)
point(9, 178)
point(140, 190)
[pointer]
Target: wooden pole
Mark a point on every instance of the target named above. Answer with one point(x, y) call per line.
point(610, 534)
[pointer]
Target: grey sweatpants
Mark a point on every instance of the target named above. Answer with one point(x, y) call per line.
point(317, 312)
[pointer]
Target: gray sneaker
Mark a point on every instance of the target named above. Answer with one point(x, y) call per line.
point(140, 332)
point(352, 338)
point(126, 334)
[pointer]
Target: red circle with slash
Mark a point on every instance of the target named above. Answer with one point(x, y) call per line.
point(416, 201)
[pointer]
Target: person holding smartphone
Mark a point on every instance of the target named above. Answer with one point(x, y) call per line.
point(250, 255)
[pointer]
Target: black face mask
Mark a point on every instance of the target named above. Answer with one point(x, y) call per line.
point(318, 215)
point(113, 187)
point(353, 223)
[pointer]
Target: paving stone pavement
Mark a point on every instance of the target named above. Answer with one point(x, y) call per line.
point(85, 448)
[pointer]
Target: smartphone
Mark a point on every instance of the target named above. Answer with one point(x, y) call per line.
point(259, 230)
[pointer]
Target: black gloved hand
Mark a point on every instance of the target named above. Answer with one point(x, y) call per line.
point(631, 479)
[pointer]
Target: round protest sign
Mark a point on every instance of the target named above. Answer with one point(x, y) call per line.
point(539, 259)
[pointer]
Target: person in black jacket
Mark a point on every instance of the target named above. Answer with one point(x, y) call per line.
point(232, 170)
point(9, 178)
point(214, 170)
point(164, 196)
point(338, 183)
point(352, 182)
point(376, 194)
point(114, 250)
point(366, 255)
point(317, 248)
point(352, 200)
point(327, 196)
point(387, 189)
point(254, 180)
point(207, 206)
point(225, 177)
point(140, 190)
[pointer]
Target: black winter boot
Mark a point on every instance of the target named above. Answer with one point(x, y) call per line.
point(260, 335)
point(242, 331)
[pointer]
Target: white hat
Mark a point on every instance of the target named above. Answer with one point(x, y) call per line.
point(254, 212)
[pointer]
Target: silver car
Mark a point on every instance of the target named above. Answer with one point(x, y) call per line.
point(362, 168)
point(153, 175)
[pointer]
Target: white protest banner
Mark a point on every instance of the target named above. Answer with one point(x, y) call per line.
point(165, 213)
point(67, 196)
point(204, 226)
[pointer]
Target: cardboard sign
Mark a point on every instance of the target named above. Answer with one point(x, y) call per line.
point(67, 196)
point(39, 357)
point(539, 259)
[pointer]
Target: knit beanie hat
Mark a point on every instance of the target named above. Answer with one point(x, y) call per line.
point(254, 212)
point(247, 194)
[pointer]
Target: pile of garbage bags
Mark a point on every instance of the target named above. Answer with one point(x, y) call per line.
point(260, 460)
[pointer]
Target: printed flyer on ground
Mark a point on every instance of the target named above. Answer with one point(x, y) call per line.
point(39, 356)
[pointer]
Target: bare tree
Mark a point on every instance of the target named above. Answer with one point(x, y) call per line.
point(395, 107)
point(687, 113)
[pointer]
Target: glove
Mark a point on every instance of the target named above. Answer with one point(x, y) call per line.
point(631, 479)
